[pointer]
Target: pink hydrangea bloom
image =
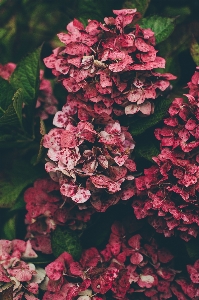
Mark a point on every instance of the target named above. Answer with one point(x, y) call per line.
point(84, 160)
point(108, 69)
point(125, 268)
point(24, 276)
point(7, 70)
point(167, 193)
point(47, 208)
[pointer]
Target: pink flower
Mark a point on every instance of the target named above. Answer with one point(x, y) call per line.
point(108, 67)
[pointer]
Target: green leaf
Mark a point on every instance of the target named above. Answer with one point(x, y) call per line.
point(179, 12)
point(18, 104)
point(19, 204)
point(66, 240)
point(162, 26)
point(6, 95)
point(26, 76)
point(141, 5)
point(13, 114)
point(14, 178)
point(146, 149)
point(89, 9)
point(10, 117)
point(8, 231)
point(194, 50)
point(161, 107)
point(192, 248)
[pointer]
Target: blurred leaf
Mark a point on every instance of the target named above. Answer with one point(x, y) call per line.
point(146, 149)
point(26, 76)
point(15, 178)
point(6, 94)
point(179, 12)
point(89, 9)
point(3, 32)
point(8, 231)
point(161, 107)
point(192, 248)
point(179, 41)
point(66, 240)
point(194, 50)
point(19, 204)
point(162, 27)
point(141, 5)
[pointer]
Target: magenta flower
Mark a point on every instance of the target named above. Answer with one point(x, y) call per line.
point(107, 69)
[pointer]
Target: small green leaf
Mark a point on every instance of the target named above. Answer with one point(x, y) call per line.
point(194, 50)
point(192, 248)
point(18, 104)
point(26, 76)
point(162, 26)
point(161, 107)
point(141, 5)
point(6, 95)
point(19, 204)
point(66, 240)
point(8, 231)
point(15, 178)
point(146, 149)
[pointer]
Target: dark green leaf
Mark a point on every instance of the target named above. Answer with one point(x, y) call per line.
point(194, 49)
point(15, 178)
point(141, 5)
point(192, 248)
point(10, 117)
point(6, 94)
point(19, 204)
point(8, 231)
point(146, 149)
point(66, 240)
point(26, 76)
point(13, 114)
point(89, 9)
point(161, 107)
point(162, 27)
point(179, 12)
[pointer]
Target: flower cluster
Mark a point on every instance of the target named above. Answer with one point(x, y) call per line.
point(188, 287)
point(86, 160)
point(7, 70)
point(46, 103)
point(14, 271)
point(46, 209)
point(168, 192)
point(124, 267)
point(108, 69)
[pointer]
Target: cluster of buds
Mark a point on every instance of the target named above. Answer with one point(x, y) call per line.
point(108, 69)
point(46, 104)
point(126, 267)
point(23, 277)
point(168, 191)
point(46, 209)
